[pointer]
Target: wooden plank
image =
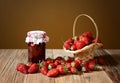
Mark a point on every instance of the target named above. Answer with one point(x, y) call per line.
point(8, 74)
point(97, 77)
point(112, 68)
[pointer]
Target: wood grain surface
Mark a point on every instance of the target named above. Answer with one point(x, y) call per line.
point(9, 58)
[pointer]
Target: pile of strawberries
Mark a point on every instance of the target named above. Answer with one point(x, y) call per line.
point(61, 66)
point(79, 42)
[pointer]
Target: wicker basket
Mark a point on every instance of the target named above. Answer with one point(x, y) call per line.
point(86, 52)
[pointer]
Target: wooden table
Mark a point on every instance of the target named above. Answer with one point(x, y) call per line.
point(9, 58)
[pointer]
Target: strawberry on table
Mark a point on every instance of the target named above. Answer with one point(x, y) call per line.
point(51, 66)
point(100, 60)
point(43, 63)
point(52, 73)
point(34, 68)
point(23, 68)
point(68, 59)
point(68, 65)
point(44, 70)
point(57, 62)
point(62, 69)
point(73, 70)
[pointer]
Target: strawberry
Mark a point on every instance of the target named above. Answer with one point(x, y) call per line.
point(88, 34)
point(67, 46)
point(51, 65)
point(43, 63)
point(68, 59)
point(69, 41)
point(23, 68)
point(94, 40)
point(75, 64)
point(100, 60)
point(78, 60)
point(73, 47)
point(79, 45)
point(62, 69)
point(62, 62)
point(49, 61)
point(73, 70)
point(84, 39)
point(57, 62)
point(33, 68)
point(85, 67)
point(29, 64)
point(44, 70)
point(52, 73)
point(68, 65)
point(58, 58)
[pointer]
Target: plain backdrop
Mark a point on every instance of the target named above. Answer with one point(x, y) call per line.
point(56, 17)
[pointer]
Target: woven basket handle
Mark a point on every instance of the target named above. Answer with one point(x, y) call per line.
point(96, 28)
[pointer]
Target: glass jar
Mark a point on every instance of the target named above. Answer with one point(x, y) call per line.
point(36, 41)
point(36, 52)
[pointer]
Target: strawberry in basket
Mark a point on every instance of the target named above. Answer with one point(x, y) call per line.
point(77, 43)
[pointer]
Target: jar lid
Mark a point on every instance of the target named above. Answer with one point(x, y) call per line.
point(36, 37)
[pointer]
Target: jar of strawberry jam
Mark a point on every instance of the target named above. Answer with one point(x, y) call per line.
point(36, 41)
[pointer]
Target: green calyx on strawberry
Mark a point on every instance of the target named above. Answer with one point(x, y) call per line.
point(62, 69)
point(74, 70)
point(43, 63)
point(44, 70)
point(68, 58)
point(51, 66)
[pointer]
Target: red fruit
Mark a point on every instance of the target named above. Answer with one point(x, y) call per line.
point(43, 63)
point(62, 69)
point(84, 39)
point(62, 62)
point(100, 61)
point(92, 61)
point(68, 65)
point(23, 68)
point(58, 58)
point(78, 60)
point(85, 67)
point(73, 70)
point(51, 66)
point(33, 68)
point(44, 70)
point(57, 62)
point(94, 40)
point(68, 59)
point(49, 61)
point(67, 46)
point(29, 64)
point(88, 34)
point(52, 73)
point(73, 47)
point(75, 64)
point(91, 65)
point(69, 41)
point(79, 45)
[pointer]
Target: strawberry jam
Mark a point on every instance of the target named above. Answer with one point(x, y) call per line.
point(36, 41)
point(36, 52)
